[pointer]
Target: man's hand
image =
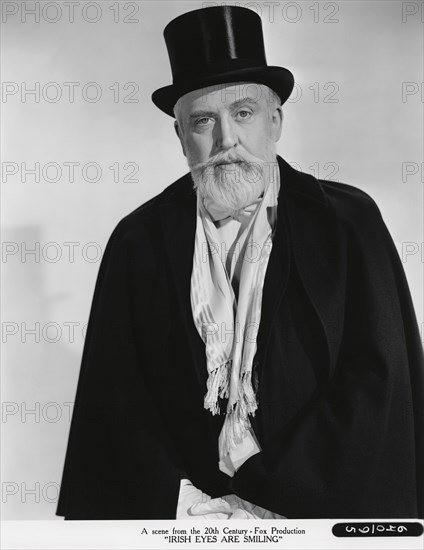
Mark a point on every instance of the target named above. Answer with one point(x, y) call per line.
point(192, 502)
point(242, 509)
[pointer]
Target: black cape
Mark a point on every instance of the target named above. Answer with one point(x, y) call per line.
point(339, 369)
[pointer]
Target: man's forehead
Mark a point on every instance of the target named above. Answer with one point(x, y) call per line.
point(226, 95)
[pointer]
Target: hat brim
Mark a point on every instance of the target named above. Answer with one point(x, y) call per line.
point(278, 79)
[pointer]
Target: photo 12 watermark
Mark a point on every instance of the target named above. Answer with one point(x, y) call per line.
point(71, 12)
point(69, 172)
point(327, 13)
point(70, 92)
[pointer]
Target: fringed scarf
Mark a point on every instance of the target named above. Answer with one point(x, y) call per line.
point(228, 326)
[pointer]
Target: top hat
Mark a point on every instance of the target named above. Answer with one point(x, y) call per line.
point(217, 45)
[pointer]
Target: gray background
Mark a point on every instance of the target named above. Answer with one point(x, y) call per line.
point(357, 111)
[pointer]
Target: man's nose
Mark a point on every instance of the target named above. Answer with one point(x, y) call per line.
point(226, 137)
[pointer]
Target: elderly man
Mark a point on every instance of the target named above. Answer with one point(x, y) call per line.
point(252, 348)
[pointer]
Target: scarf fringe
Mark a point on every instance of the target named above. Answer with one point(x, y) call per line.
point(218, 386)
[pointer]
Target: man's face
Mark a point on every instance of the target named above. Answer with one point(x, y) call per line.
point(228, 134)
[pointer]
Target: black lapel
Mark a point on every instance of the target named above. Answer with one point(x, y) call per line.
point(276, 278)
point(178, 217)
point(317, 250)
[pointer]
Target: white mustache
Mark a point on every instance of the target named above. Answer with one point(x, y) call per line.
point(223, 158)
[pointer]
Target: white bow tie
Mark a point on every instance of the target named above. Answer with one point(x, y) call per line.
point(241, 215)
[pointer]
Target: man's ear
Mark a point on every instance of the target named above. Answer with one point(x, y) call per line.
point(277, 122)
point(179, 134)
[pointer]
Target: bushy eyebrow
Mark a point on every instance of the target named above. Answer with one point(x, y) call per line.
point(243, 101)
point(235, 105)
point(201, 114)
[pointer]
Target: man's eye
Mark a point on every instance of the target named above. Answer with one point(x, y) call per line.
point(244, 114)
point(203, 121)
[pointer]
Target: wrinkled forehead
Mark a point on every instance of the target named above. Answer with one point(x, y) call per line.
point(224, 95)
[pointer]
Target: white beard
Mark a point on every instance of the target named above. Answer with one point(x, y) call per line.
point(231, 187)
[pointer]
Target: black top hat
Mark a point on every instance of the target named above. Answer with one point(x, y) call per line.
point(217, 45)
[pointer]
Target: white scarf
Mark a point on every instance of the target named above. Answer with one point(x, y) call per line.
point(228, 328)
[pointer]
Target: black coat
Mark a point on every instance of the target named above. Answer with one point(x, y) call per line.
point(339, 366)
